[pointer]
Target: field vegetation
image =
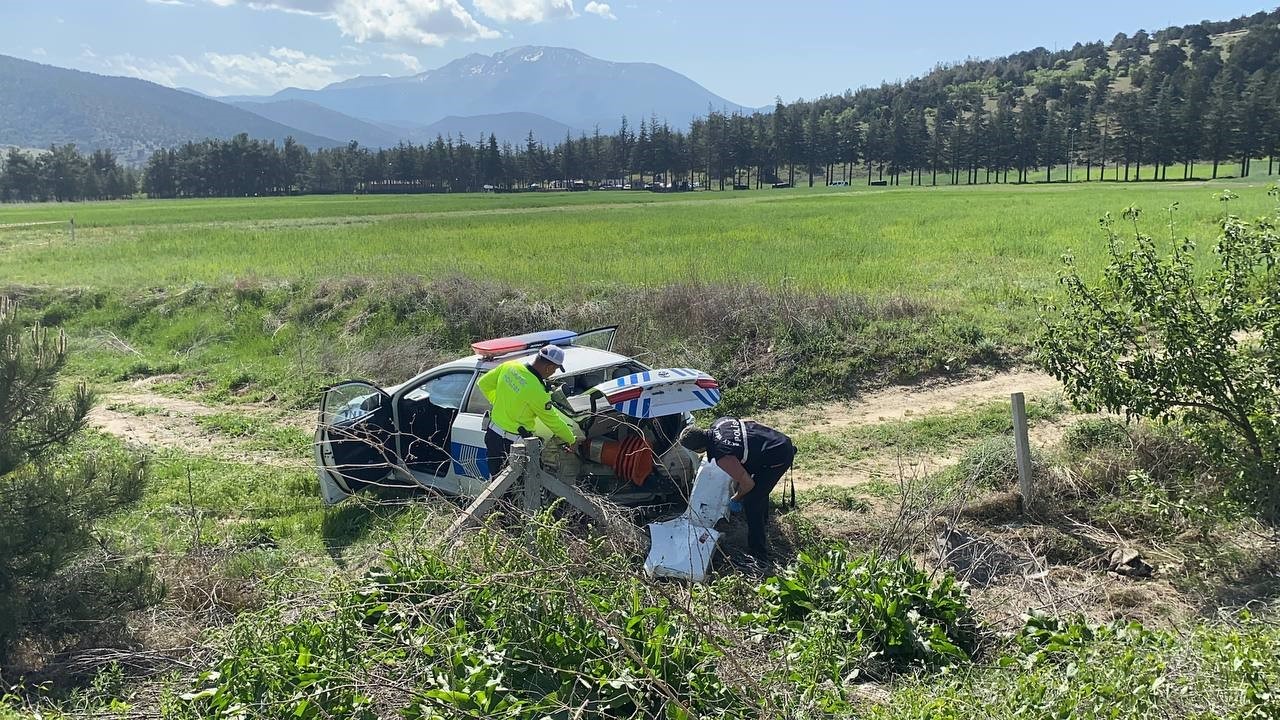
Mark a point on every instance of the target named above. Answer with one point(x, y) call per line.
point(226, 317)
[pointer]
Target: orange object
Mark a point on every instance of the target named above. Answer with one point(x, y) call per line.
point(631, 458)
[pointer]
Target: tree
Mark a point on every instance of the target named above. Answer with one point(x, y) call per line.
point(52, 497)
point(1161, 338)
point(1220, 123)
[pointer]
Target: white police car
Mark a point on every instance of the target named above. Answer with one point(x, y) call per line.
point(430, 430)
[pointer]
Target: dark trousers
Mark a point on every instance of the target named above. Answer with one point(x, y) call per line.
point(497, 447)
point(755, 504)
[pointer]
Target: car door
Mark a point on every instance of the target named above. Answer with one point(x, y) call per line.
point(600, 338)
point(470, 458)
point(354, 439)
point(425, 414)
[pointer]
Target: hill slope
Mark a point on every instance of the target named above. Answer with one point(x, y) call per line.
point(42, 105)
point(513, 127)
point(319, 120)
point(565, 85)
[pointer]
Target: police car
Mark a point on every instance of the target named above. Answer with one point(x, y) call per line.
point(429, 431)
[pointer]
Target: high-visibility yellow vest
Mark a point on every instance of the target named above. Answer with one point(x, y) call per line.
point(519, 399)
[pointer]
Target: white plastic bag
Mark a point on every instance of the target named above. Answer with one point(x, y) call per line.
point(684, 547)
point(680, 549)
point(709, 499)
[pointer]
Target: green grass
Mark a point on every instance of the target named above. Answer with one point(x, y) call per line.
point(829, 452)
point(987, 246)
point(259, 433)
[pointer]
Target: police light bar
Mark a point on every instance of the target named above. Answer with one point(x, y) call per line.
point(489, 349)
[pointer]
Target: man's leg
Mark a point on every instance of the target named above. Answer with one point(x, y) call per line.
point(497, 448)
point(755, 505)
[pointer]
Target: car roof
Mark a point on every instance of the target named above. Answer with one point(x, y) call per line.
point(576, 359)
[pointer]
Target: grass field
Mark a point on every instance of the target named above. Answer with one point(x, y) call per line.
point(254, 297)
point(218, 321)
point(979, 247)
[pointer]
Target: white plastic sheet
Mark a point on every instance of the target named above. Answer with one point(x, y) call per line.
point(709, 500)
point(684, 547)
point(680, 549)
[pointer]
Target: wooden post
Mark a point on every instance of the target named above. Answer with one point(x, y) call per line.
point(1022, 446)
point(73, 229)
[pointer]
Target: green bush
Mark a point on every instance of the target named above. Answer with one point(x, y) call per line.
point(1068, 668)
point(842, 616)
point(1167, 335)
point(991, 464)
point(55, 576)
point(498, 630)
point(1095, 433)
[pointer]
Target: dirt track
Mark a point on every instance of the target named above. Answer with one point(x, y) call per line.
point(159, 422)
point(138, 415)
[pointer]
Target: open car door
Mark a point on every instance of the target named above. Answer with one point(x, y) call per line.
point(657, 393)
point(354, 439)
point(599, 338)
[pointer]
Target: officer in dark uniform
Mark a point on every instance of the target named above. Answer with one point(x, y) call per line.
point(756, 457)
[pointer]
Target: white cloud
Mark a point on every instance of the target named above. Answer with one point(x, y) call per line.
point(601, 9)
point(166, 2)
point(234, 73)
point(39, 52)
point(421, 22)
point(526, 10)
point(410, 63)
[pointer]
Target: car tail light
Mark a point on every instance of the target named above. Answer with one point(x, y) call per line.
point(629, 394)
point(707, 384)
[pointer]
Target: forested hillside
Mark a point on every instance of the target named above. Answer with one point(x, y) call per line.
point(41, 105)
point(1137, 106)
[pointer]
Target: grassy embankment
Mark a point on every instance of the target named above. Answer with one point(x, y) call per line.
point(836, 289)
point(246, 300)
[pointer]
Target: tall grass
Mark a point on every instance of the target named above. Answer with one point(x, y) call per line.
point(987, 249)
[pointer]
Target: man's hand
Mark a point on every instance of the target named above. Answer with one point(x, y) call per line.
point(745, 485)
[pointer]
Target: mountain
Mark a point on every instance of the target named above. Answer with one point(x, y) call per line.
point(513, 127)
point(567, 86)
point(42, 105)
point(318, 120)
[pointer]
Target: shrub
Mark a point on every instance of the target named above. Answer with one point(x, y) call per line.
point(991, 464)
point(843, 615)
point(1162, 337)
point(500, 629)
point(54, 575)
point(1094, 433)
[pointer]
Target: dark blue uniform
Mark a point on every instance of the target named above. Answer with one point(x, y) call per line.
point(767, 455)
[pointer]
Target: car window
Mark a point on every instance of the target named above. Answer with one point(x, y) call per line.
point(444, 391)
point(478, 403)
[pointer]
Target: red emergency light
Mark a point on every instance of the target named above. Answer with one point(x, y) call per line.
point(497, 347)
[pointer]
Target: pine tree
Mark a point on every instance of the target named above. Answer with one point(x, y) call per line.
point(53, 497)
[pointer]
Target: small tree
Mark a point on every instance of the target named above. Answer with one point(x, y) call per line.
point(1160, 338)
point(49, 579)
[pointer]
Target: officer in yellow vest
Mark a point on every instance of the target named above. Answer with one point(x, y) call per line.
point(520, 396)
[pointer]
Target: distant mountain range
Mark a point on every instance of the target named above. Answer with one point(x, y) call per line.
point(567, 86)
point(548, 91)
point(42, 105)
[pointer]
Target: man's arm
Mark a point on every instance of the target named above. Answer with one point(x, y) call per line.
point(741, 478)
point(541, 405)
point(488, 383)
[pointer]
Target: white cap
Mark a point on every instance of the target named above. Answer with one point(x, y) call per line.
point(553, 354)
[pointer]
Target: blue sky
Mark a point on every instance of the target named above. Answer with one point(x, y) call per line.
point(746, 51)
